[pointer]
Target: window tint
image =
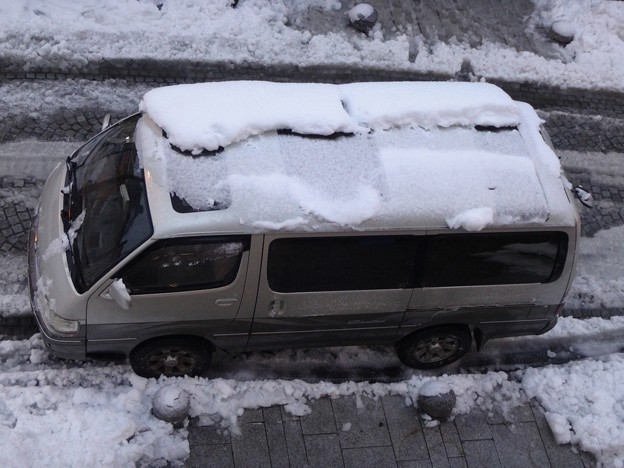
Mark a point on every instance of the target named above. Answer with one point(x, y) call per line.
point(480, 259)
point(182, 265)
point(343, 263)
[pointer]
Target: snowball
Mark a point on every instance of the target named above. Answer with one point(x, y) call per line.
point(362, 10)
point(564, 29)
point(171, 404)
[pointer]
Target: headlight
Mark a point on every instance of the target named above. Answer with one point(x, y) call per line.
point(62, 326)
point(54, 322)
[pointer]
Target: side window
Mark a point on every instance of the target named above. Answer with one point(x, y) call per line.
point(343, 263)
point(186, 264)
point(482, 259)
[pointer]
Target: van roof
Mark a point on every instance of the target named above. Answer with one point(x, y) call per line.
point(261, 157)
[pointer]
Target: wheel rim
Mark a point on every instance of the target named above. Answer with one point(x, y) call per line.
point(436, 348)
point(172, 362)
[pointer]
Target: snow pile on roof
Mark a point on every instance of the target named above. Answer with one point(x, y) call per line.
point(427, 104)
point(212, 115)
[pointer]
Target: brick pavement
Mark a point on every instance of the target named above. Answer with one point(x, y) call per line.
point(384, 433)
point(16, 213)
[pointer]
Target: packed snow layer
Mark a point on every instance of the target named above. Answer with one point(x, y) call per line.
point(212, 115)
point(67, 34)
point(395, 178)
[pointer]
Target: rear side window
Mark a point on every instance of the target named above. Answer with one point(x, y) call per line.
point(482, 259)
point(186, 264)
point(343, 263)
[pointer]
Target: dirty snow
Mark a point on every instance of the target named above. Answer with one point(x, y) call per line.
point(69, 34)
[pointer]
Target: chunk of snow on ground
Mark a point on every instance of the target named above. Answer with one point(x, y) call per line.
point(583, 403)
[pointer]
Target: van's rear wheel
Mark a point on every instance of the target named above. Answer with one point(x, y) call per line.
point(434, 347)
point(171, 357)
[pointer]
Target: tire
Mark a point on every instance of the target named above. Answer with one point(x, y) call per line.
point(173, 356)
point(434, 347)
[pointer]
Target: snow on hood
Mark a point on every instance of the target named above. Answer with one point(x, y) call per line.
point(212, 115)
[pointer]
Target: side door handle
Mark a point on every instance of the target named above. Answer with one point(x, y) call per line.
point(226, 302)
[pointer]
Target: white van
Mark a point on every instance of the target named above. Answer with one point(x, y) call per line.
point(253, 215)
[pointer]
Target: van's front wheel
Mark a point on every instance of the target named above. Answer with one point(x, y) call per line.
point(434, 347)
point(171, 357)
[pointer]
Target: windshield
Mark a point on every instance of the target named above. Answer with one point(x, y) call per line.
point(105, 208)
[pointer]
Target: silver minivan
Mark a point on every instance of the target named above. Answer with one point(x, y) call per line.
point(245, 216)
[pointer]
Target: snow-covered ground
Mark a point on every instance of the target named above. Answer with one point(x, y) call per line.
point(69, 34)
point(101, 413)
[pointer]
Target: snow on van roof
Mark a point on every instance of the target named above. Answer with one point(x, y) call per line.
point(398, 178)
point(207, 116)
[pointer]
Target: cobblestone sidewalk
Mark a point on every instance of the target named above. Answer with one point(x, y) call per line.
point(383, 433)
point(16, 212)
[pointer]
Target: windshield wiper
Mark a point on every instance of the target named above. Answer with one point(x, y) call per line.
point(69, 213)
point(71, 191)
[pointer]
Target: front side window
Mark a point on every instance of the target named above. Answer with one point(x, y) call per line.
point(343, 263)
point(506, 258)
point(185, 264)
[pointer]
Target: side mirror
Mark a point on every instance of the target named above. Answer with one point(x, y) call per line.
point(584, 196)
point(119, 294)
